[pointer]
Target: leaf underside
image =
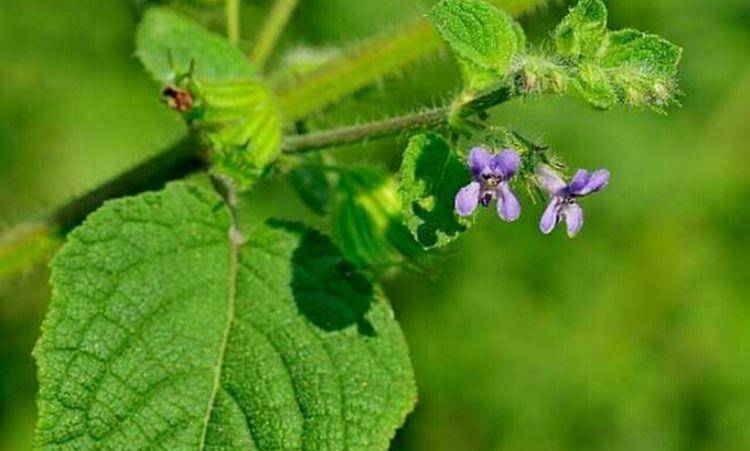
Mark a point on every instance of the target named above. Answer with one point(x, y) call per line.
point(163, 333)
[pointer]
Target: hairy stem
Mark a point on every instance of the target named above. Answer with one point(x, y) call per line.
point(371, 130)
point(368, 62)
point(271, 31)
point(395, 125)
point(233, 21)
point(358, 67)
point(27, 245)
point(177, 161)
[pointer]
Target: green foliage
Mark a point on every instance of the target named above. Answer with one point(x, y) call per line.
point(621, 67)
point(165, 35)
point(483, 39)
point(242, 122)
point(237, 114)
point(630, 47)
point(583, 31)
point(367, 223)
point(167, 329)
point(431, 175)
point(312, 184)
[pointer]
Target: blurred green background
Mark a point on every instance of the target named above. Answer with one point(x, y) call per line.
point(633, 336)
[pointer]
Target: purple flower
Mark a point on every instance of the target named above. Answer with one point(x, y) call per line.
point(563, 196)
point(490, 175)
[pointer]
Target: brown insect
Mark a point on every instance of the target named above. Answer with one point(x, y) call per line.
point(179, 99)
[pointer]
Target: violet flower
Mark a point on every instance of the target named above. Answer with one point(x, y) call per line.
point(491, 174)
point(563, 202)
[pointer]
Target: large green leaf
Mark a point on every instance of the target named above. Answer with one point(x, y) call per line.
point(482, 37)
point(164, 34)
point(168, 330)
point(431, 175)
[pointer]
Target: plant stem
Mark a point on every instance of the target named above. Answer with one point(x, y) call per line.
point(358, 67)
point(393, 126)
point(29, 244)
point(233, 21)
point(371, 130)
point(177, 161)
point(271, 30)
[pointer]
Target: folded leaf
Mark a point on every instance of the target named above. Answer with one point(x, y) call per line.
point(483, 38)
point(431, 175)
point(166, 330)
point(165, 35)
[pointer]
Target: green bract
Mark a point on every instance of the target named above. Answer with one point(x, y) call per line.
point(431, 175)
point(242, 122)
point(165, 35)
point(483, 39)
point(167, 329)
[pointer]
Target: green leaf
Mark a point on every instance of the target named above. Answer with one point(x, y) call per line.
point(367, 223)
point(165, 34)
point(242, 122)
point(312, 185)
point(593, 85)
point(583, 32)
point(483, 38)
point(166, 330)
point(431, 175)
point(646, 52)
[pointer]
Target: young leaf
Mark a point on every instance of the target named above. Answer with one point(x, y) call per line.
point(593, 86)
point(431, 175)
point(647, 52)
point(167, 330)
point(242, 121)
point(583, 31)
point(165, 37)
point(483, 38)
point(367, 224)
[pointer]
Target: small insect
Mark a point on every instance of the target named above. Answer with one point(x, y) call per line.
point(176, 95)
point(179, 99)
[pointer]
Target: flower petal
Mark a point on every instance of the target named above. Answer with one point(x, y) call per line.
point(596, 182)
point(467, 199)
point(573, 214)
point(548, 179)
point(550, 215)
point(579, 181)
point(479, 161)
point(507, 203)
point(505, 164)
